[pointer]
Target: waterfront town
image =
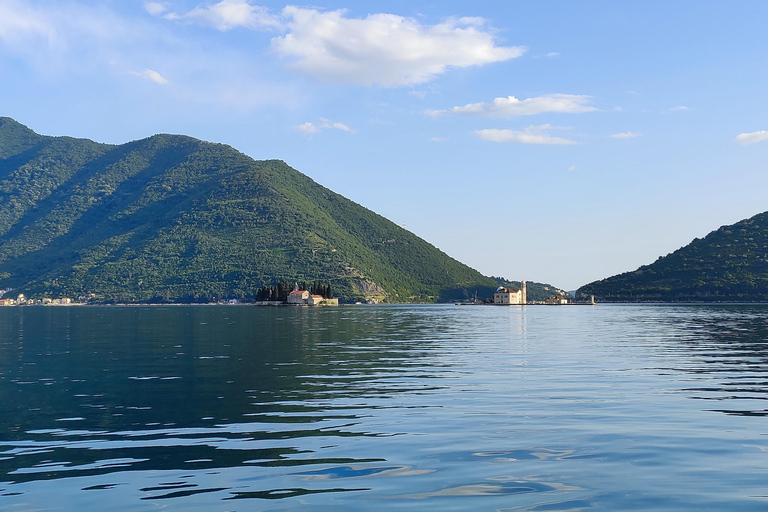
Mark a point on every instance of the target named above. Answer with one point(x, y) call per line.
point(299, 296)
point(21, 300)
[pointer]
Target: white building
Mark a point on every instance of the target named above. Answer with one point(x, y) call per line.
point(510, 296)
point(298, 297)
point(304, 297)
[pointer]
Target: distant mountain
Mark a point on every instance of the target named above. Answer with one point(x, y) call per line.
point(172, 218)
point(729, 264)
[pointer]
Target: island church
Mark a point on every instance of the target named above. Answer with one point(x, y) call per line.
point(509, 296)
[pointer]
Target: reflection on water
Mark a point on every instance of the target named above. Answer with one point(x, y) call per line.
point(368, 408)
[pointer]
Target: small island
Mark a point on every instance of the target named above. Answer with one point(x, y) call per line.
point(316, 294)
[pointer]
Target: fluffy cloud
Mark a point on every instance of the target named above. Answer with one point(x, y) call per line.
point(511, 106)
point(531, 135)
point(152, 76)
point(752, 137)
point(309, 128)
point(625, 135)
point(224, 15)
point(384, 49)
point(155, 8)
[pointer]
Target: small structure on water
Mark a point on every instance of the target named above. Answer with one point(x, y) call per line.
point(298, 297)
point(505, 296)
point(304, 297)
point(314, 300)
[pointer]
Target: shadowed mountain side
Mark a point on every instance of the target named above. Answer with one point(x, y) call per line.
point(178, 219)
point(729, 264)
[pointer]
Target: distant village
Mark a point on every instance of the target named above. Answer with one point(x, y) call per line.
point(294, 298)
point(21, 300)
point(315, 294)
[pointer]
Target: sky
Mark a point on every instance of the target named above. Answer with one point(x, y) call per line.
point(551, 141)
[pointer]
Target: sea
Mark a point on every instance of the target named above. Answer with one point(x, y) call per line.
point(384, 407)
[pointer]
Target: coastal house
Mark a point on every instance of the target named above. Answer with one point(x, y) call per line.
point(298, 297)
point(505, 295)
point(556, 299)
point(303, 297)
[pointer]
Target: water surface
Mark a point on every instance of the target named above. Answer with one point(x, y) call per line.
point(384, 408)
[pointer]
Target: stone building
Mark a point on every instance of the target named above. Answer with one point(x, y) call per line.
point(510, 296)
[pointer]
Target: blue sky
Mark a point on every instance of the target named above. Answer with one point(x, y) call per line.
point(552, 141)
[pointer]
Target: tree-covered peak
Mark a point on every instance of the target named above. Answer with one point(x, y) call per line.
point(16, 138)
point(729, 264)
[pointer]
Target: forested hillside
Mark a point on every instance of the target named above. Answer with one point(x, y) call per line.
point(729, 264)
point(172, 218)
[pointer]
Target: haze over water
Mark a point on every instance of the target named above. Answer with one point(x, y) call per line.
point(638, 407)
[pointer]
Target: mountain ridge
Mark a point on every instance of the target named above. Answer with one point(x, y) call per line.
point(728, 264)
point(173, 218)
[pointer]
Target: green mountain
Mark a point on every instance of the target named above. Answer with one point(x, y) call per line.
point(172, 218)
point(729, 264)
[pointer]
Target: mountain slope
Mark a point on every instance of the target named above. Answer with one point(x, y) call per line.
point(175, 218)
point(729, 264)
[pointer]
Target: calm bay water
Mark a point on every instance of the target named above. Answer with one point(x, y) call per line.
point(384, 408)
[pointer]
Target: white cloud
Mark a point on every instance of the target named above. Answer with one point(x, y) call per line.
point(63, 38)
point(229, 14)
point(342, 127)
point(155, 8)
point(92, 42)
point(19, 23)
point(309, 128)
point(752, 137)
point(439, 139)
point(151, 75)
point(553, 54)
point(531, 135)
point(679, 108)
point(625, 135)
point(572, 168)
point(384, 49)
point(511, 106)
